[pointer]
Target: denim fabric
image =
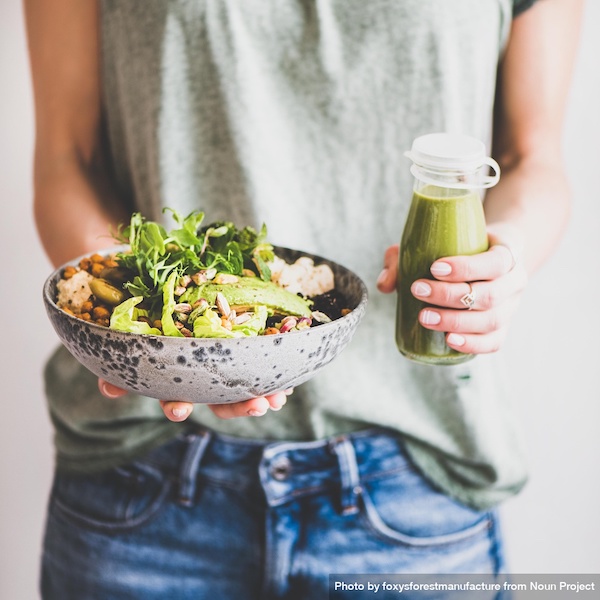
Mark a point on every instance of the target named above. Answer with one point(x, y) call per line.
point(207, 516)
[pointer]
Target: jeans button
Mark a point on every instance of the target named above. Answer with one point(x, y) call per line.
point(280, 469)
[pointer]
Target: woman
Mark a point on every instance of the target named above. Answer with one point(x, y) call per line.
point(296, 114)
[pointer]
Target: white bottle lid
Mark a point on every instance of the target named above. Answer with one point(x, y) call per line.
point(452, 153)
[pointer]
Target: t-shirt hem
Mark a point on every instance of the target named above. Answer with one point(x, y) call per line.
point(521, 7)
point(478, 498)
point(106, 461)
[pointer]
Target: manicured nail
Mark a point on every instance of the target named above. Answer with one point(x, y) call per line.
point(440, 269)
point(255, 413)
point(430, 317)
point(422, 289)
point(279, 403)
point(383, 276)
point(179, 412)
point(456, 340)
point(108, 390)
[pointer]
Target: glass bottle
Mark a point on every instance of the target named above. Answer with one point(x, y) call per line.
point(445, 219)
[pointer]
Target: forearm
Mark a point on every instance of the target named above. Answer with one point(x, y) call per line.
point(531, 206)
point(533, 194)
point(73, 201)
point(75, 210)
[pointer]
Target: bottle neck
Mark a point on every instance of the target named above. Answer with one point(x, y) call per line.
point(431, 191)
point(456, 179)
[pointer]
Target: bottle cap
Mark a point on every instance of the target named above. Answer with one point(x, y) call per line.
point(453, 152)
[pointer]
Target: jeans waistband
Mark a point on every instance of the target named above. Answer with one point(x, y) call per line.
point(284, 470)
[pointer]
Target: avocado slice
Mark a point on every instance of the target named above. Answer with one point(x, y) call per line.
point(251, 291)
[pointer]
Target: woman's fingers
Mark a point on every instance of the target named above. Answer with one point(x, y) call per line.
point(489, 284)
point(487, 294)
point(176, 411)
point(255, 407)
point(477, 343)
point(109, 390)
point(386, 282)
point(469, 321)
point(496, 262)
point(486, 266)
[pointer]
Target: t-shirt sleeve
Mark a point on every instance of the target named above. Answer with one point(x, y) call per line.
point(520, 6)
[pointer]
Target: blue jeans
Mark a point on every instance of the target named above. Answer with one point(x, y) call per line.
point(207, 516)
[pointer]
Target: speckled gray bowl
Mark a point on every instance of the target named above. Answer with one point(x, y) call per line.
point(206, 370)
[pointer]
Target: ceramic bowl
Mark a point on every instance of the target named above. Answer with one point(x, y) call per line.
point(208, 370)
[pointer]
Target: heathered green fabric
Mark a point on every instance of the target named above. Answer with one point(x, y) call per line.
point(297, 113)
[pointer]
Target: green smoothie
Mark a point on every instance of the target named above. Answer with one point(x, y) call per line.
point(441, 222)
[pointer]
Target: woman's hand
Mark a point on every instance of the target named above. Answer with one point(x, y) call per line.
point(496, 279)
point(180, 411)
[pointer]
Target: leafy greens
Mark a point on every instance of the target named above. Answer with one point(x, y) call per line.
point(159, 256)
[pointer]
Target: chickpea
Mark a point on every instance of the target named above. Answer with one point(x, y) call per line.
point(96, 258)
point(69, 272)
point(87, 306)
point(85, 264)
point(96, 268)
point(100, 312)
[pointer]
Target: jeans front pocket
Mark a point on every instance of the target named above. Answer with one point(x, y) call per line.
point(116, 500)
point(404, 509)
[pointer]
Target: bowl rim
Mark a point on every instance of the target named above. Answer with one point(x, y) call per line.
point(53, 279)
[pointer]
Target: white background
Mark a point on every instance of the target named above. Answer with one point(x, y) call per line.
point(553, 351)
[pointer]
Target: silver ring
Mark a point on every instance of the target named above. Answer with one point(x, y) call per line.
point(469, 298)
point(513, 255)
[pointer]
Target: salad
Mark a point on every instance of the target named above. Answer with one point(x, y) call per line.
point(198, 281)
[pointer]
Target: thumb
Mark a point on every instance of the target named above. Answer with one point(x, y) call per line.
point(386, 282)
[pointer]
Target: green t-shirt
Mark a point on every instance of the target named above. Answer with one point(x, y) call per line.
point(297, 114)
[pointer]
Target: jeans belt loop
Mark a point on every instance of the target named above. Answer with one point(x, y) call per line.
point(188, 473)
point(349, 475)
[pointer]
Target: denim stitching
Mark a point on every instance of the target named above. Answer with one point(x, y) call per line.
point(188, 473)
point(113, 526)
point(375, 523)
point(349, 475)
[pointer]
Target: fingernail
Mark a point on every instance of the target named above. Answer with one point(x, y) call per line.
point(456, 340)
point(430, 317)
point(279, 403)
point(421, 289)
point(255, 413)
point(382, 279)
point(179, 412)
point(108, 390)
point(440, 269)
